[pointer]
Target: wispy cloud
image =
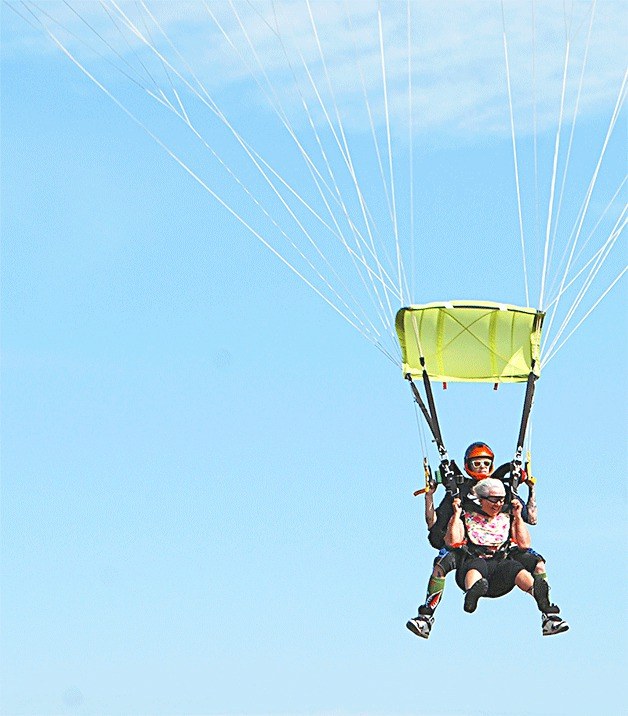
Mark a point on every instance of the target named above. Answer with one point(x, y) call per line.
point(456, 54)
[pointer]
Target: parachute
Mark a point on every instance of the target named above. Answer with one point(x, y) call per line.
point(470, 341)
point(312, 126)
point(473, 342)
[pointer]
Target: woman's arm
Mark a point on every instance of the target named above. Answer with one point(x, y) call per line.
point(518, 531)
point(454, 536)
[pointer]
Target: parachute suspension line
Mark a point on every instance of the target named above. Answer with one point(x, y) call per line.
point(572, 131)
point(215, 109)
point(346, 154)
point(383, 314)
point(369, 112)
point(611, 238)
point(411, 152)
point(601, 257)
point(257, 203)
point(602, 215)
point(421, 431)
point(528, 441)
point(599, 260)
point(311, 166)
point(431, 418)
point(585, 205)
point(430, 415)
point(550, 208)
point(595, 258)
point(372, 127)
point(535, 132)
point(515, 160)
point(249, 151)
point(137, 82)
point(277, 107)
point(131, 49)
point(400, 276)
point(221, 116)
point(586, 315)
point(338, 196)
point(215, 196)
point(173, 89)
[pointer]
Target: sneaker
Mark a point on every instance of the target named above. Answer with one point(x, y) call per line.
point(540, 592)
point(553, 624)
point(421, 625)
point(472, 595)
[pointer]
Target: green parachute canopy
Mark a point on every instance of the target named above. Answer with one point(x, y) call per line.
point(470, 341)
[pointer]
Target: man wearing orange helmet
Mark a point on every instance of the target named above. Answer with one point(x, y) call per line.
point(478, 464)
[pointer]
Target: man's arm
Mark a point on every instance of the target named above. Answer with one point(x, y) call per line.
point(531, 503)
point(430, 512)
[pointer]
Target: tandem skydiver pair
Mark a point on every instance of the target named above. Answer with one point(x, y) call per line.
point(481, 533)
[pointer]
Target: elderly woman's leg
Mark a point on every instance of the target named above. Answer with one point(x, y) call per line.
point(524, 580)
point(475, 583)
point(471, 577)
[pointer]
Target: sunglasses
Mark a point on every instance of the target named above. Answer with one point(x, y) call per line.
point(485, 462)
point(495, 500)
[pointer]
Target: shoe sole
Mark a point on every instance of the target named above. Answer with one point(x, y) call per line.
point(415, 630)
point(479, 589)
point(563, 628)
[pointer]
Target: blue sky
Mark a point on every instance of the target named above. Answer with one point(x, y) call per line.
point(207, 474)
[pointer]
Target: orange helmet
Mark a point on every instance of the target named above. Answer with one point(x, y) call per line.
point(473, 452)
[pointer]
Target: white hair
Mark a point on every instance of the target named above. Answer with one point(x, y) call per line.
point(487, 486)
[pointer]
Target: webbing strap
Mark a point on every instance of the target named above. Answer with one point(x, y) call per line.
point(432, 407)
point(421, 404)
point(527, 407)
point(431, 418)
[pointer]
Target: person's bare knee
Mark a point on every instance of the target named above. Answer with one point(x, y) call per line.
point(471, 577)
point(524, 580)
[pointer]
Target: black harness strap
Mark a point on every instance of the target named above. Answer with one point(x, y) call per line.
point(431, 418)
point(432, 405)
point(527, 407)
point(426, 414)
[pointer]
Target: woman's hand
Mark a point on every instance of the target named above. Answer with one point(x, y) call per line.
point(454, 536)
point(516, 508)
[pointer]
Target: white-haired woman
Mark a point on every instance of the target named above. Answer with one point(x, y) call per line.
point(485, 529)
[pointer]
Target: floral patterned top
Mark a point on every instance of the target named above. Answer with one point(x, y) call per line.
point(487, 531)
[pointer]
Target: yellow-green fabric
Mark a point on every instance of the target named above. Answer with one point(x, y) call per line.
point(470, 341)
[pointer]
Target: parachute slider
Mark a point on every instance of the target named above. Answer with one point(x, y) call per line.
point(470, 341)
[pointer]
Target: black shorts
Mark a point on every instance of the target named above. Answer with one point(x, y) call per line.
point(447, 560)
point(500, 573)
point(527, 557)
